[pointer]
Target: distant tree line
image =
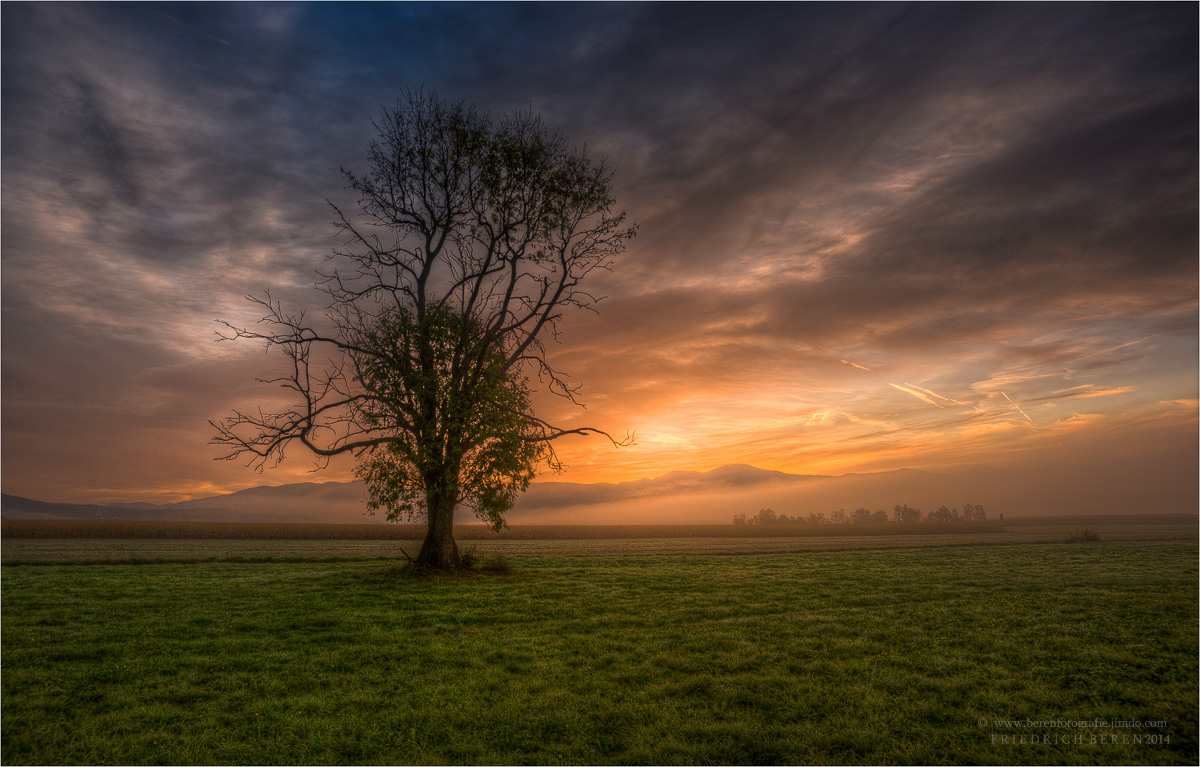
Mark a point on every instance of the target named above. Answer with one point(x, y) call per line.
point(901, 513)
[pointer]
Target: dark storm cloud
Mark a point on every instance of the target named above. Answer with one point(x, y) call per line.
point(964, 195)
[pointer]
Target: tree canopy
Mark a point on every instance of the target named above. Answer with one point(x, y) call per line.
point(471, 239)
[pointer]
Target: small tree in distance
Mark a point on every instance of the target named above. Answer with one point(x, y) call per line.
point(974, 513)
point(473, 236)
point(941, 515)
point(902, 513)
point(906, 513)
point(766, 517)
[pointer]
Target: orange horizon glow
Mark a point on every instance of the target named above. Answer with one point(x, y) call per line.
point(996, 438)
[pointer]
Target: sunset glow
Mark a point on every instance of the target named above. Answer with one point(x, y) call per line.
point(872, 237)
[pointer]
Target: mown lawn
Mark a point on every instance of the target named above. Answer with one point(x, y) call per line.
point(860, 656)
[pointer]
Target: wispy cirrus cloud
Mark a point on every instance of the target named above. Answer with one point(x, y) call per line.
point(1087, 391)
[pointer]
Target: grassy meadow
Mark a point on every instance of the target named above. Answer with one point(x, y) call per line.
point(873, 655)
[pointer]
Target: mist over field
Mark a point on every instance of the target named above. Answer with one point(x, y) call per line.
point(1159, 484)
point(1142, 487)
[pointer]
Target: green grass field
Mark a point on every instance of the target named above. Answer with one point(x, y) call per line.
point(914, 655)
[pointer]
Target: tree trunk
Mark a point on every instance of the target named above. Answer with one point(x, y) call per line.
point(439, 551)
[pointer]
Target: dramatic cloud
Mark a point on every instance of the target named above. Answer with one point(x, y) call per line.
point(872, 235)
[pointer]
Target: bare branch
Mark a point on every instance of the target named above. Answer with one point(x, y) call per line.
point(471, 239)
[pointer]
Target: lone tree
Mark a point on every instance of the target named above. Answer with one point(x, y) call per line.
point(472, 237)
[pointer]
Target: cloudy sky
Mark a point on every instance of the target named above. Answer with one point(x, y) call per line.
point(933, 236)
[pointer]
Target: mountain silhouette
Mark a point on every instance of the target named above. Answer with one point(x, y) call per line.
point(1162, 484)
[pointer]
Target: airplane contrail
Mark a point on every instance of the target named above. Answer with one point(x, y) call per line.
point(917, 394)
point(1018, 407)
point(934, 394)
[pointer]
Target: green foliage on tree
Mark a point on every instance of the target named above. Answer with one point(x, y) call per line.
point(473, 237)
point(478, 428)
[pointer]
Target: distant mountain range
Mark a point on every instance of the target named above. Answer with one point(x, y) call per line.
point(343, 502)
point(310, 502)
point(1160, 484)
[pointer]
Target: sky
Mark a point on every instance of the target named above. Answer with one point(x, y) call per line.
point(871, 236)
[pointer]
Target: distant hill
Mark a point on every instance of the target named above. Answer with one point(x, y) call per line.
point(558, 495)
point(16, 507)
point(1163, 484)
point(306, 502)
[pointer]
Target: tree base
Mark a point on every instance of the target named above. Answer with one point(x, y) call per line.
point(441, 556)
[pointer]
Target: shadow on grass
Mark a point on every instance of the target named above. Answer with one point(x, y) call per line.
point(472, 567)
